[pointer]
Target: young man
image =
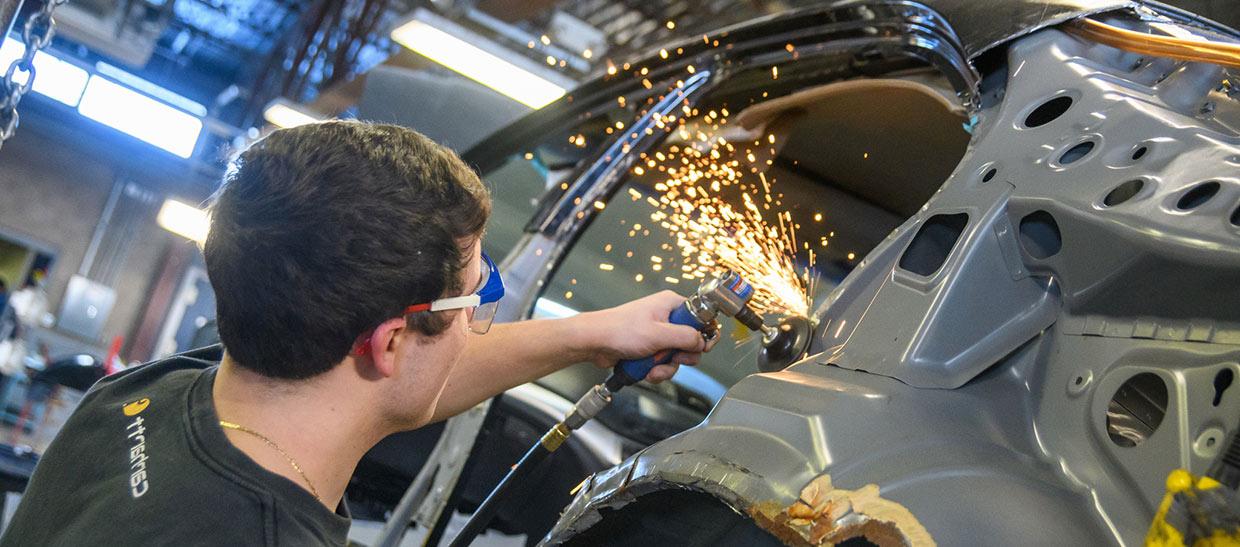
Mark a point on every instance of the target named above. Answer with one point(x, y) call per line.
point(346, 263)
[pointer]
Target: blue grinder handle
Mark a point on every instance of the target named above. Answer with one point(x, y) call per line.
point(631, 371)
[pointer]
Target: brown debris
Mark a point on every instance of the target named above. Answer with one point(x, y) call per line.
point(770, 516)
point(824, 515)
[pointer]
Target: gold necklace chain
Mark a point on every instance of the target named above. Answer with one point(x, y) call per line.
point(271, 443)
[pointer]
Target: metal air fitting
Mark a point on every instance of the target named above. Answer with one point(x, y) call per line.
point(590, 404)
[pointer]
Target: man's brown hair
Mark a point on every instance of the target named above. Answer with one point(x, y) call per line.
point(321, 232)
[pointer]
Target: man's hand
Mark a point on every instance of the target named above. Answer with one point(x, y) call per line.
point(640, 329)
point(512, 354)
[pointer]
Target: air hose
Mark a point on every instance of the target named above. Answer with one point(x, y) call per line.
point(728, 294)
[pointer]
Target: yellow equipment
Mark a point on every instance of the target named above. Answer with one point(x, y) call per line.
point(1195, 512)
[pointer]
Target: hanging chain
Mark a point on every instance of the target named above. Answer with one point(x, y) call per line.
point(37, 34)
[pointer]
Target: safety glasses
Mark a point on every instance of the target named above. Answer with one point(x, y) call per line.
point(481, 305)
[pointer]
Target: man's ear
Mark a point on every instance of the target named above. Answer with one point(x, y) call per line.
point(383, 343)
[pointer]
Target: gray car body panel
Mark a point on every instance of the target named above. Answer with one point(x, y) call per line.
point(977, 396)
point(965, 405)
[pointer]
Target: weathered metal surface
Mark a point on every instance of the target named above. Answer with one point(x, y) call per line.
point(826, 515)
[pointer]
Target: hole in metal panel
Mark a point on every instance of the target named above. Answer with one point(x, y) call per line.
point(1198, 196)
point(1222, 381)
point(1123, 192)
point(1139, 152)
point(933, 243)
point(1235, 217)
point(1048, 111)
point(1039, 235)
point(990, 174)
point(1137, 409)
point(673, 516)
point(1072, 155)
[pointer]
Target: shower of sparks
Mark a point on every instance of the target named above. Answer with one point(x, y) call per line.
point(698, 182)
point(715, 199)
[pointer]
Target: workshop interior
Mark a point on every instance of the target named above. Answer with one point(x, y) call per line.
point(972, 267)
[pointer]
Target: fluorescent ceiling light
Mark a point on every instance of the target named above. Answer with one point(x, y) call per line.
point(284, 114)
point(150, 89)
point(184, 220)
point(118, 106)
point(54, 78)
point(465, 56)
point(136, 114)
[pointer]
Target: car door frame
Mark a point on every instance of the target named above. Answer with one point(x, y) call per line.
point(909, 30)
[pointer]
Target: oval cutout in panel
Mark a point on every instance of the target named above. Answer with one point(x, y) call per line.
point(1039, 235)
point(1137, 409)
point(1074, 154)
point(990, 174)
point(1048, 111)
point(1235, 217)
point(933, 243)
point(1222, 381)
point(1123, 192)
point(1139, 153)
point(1198, 196)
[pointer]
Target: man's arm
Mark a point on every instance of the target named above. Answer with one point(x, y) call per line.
point(512, 354)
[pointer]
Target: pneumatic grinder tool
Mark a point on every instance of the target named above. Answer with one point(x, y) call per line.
point(728, 294)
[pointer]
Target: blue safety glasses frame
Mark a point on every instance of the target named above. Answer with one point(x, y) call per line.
point(481, 305)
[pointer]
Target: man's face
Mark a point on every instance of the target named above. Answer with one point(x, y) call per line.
point(426, 362)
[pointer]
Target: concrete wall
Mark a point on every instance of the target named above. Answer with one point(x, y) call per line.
point(53, 193)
